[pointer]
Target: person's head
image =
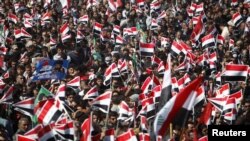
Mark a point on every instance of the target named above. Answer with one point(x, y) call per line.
point(113, 117)
point(23, 124)
point(19, 79)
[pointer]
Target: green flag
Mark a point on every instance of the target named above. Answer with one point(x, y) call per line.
point(43, 92)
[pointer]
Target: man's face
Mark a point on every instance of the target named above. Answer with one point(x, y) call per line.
point(24, 125)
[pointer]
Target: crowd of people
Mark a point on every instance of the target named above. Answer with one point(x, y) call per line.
point(48, 44)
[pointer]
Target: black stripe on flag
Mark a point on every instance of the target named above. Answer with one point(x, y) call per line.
point(150, 114)
point(56, 115)
point(65, 137)
point(103, 107)
point(233, 78)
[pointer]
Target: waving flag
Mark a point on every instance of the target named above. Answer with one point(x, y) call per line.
point(7, 96)
point(237, 19)
point(86, 129)
point(25, 106)
point(109, 135)
point(235, 72)
point(91, 94)
point(102, 102)
point(49, 112)
point(83, 19)
point(147, 49)
point(185, 99)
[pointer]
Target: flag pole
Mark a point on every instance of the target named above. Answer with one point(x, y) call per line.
point(171, 130)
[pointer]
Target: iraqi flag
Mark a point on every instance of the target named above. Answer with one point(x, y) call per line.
point(64, 29)
point(49, 112)
point(86, 129)
point(83, 19)
point(154, 24)
point(147, 49)
point(97, 29)
point(116, 30)
point(237, 19)
point(102, 102)
point(235, 72)
point(7, 96)
point(25, 106)
point(208, 41)
point(220, 39)
point(229, 111)
point(166, 84)
point(13, 18)
point(91, 94)
point(75, 82)
point(181, 102)
point(176, 48)
point(65, 131)
point(46, 133)
point(234, 2)
point(127, 136)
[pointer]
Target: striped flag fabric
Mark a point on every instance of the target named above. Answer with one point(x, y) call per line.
point(75, 82)
point(235, 72)
point(127, 136)
point(64, 29)
point(144, 137)
point(229, 111)
point(140, 3)
point(83, 19)
point(3, 50)
point(109, 135)
point(46, 133)
point(223, 91)
point(144, 124)
point(234, 2)
point(123, 111)
point(13, 18)
point(176, 48)
point(166, 84)
point(102, 102)
point(162, 15)
point(185, 99)
point(49, 112)
point(97, 29)
point(7, 96)
point(237, 19)
point(119, 40)
point(122, 66)
point(199, 8)
point(208, 41)
point(116, 30)
point(147, 49)
point(149, 104)
point(218, 102)
point(205, 116)
point(91, 94)
point(27, 24)
point(65, 37)
point(25, 106)
point(112, 5)
point(107, 76)
point(24, 138)
point(220, 39)
point(198, 30)
point(154, 24)
point(65, 131)
point(204, 138)
point(200, 95)
point(86, 129)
